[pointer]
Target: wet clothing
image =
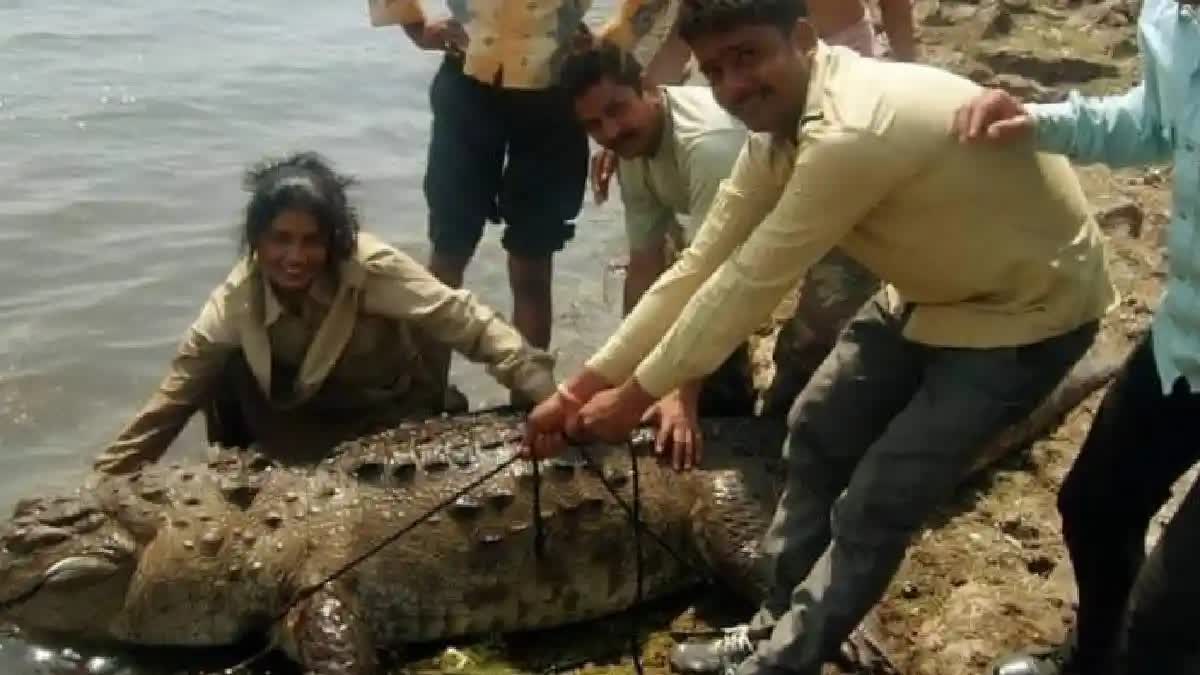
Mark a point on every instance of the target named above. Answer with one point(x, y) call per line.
point(982, 247)
point(354, 345)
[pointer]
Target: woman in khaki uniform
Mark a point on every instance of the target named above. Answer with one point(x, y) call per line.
point(314, 336)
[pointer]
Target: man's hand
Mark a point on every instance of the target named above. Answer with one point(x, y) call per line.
point(994, 114)
point(546, 426)
point(611, 415)
point(604, 165)
point(446, 35)
point(678, 427)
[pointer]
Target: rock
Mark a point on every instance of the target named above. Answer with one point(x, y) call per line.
point(1018, 6)
point(980, 74)
point(1051, 14)
point(1125, 214)
point(1018, 529)
point(1048, 70)
point(994, 20)
point(1041, 566)
point(1154, 177)
point(1111, 14)
point(1123, 48)
point(1019, 86)
point(910, 591)
point(938, 15)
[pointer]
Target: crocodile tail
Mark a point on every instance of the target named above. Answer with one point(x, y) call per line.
point(1093, 371)
point(731, 521)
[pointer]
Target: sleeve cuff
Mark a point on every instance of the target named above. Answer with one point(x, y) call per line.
point(608, 367)
point(657, 378)
point(534, 375)
point(1051, 120)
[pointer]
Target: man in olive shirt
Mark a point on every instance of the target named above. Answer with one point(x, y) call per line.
point(997, 282)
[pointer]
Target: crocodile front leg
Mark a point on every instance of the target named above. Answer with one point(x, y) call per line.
point(326, 634)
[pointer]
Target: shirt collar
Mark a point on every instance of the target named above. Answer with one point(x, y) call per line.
point(665, 138)
point(814, 98)
point(322, 291)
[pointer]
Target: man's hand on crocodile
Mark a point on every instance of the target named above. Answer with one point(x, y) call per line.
point(611, 415)
point(548, 426)
point(678, 434)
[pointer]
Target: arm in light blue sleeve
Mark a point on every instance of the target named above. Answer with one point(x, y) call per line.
point(1124, 130)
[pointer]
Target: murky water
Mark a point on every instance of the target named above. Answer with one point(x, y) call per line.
point(124, 126)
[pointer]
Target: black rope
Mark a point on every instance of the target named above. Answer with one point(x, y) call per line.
point(695, 566)
point(306, 592)
point(539, 532)
point(635, 518)
point(634, 513)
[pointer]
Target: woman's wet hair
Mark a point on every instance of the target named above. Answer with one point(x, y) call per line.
point(303, 181)
point(703, 17)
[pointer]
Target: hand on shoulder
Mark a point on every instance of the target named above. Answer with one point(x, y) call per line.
point(994, 115)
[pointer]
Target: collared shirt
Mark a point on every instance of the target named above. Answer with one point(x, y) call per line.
point(700, 142)
point(519, 44)
point(356, 337)
point(1156, 121)
point(982, 246)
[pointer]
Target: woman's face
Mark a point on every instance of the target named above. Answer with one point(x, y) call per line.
point(293, 250)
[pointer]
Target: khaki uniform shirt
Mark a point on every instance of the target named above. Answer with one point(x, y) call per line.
point(700, 142)
point(520, 44)
point(356, 337)
point(982, 246)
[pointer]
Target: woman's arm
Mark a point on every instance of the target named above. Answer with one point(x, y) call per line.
point(401, 288)
point(191, 377)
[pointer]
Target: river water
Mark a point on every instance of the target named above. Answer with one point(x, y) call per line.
point(124, 128)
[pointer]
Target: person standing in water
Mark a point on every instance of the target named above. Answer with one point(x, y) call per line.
point(504, 146)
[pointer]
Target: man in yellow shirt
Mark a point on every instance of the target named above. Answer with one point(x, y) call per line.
point(996, 283)
point(676, 145)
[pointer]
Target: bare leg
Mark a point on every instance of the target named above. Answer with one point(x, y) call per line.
point(533, 311)
point(449, 269)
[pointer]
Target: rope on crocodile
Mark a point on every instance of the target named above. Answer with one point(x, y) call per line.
point(639, 527)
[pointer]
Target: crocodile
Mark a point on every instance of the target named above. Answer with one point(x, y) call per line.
point(210, 552)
